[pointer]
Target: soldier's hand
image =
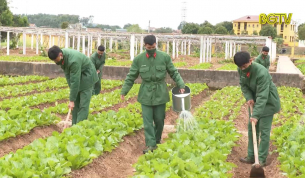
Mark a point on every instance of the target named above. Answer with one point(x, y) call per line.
point(98, 71)
point(250, 103)
point(71, 105)
point(182, 90)
point(253, 120)
point(122, 97)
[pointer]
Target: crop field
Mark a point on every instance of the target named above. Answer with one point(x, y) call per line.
point(121, 58)
point(110, 142)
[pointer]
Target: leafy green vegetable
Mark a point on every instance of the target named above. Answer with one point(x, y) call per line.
point(199, 153)
point(290, 136)
point(5, 80)
point(16, 122)
point(75, 147)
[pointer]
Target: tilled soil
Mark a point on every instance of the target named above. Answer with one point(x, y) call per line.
point(243, 170)
point(18, 142)
point(13, 144)
point(118, 163)
point(32, 92)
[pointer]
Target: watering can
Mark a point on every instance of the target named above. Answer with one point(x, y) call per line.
point(181, 101)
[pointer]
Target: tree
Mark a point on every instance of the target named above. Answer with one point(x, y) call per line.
point(268, 30)
point(205, 30)
point(207, 24)
point(301, 33)
point(64, 25)
point(84, 21)
point(20, 21)
point(255, 32)
point(300, 26)
point(53, 21)
point(244, 32)
point(190, 28)
point(6, 16)
point(181, 25)
point(227, 25)
point(127, 25)
point(164, 30)
point(221, 30)
point(279, 44)
point(135, 28)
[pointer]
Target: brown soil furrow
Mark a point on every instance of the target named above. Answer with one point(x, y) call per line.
point(118, 163)
point(13, 144)
point(243, 170)
point(52, 104)
point(31, 93)
point(28, 82)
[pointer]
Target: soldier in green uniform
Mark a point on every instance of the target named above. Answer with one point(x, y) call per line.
point(153, 66)
point(98, 59)
point(80, 75)
point(264, 58)
point(261, 93)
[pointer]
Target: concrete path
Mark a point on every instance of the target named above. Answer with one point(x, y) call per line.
point(285, 65)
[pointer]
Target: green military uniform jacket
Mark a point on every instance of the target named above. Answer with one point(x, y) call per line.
point(265, 61)
point(79, 71)
point(98, 62)
point(257, 84)
point(153, 70)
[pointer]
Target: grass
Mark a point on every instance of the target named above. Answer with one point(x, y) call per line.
point(229, 66)
point(202, 66)
point(180, 64)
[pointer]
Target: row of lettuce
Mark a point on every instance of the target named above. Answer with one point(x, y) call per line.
point(289, 136)
point(76, 146)
point(19, 115)
point(180, 156)
point(114, 62)
point(201, 152)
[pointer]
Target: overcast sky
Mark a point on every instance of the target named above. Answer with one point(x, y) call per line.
point(161, 13)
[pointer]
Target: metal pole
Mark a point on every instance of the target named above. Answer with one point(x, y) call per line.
point(24, 43)
point(132, 40)
point(8, 44)
point(174, 49)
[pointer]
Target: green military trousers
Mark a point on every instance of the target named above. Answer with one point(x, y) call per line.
point(153, 119)
point(81, 106)
point(97, 87)
point(263, 129)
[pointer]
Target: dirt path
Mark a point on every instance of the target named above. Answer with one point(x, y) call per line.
point(243, 170)
point(118, 163)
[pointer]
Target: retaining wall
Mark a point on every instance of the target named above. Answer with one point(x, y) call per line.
point(213, 78)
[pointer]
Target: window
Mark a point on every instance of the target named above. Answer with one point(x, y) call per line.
point(238, 25)
point(285, 26)
point(253, 25)
point(245, 25)
point(282, 26)
point(285, 37)
point(235, 25)
point(249, 25)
